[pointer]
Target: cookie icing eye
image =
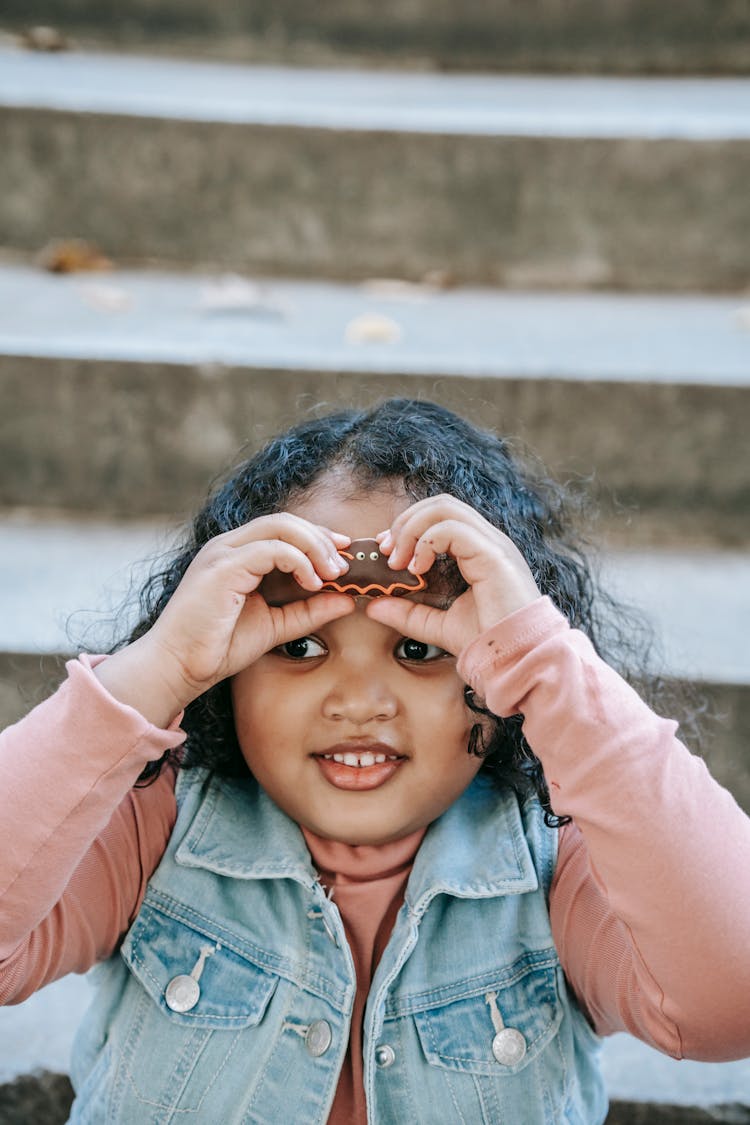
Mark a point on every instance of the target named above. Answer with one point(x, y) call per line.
point(361, 556)
point(374, 556)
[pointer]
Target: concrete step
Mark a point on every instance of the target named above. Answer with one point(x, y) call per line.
point(581, 35)
point(128, 392)
point(517, 181)
point(63, 584)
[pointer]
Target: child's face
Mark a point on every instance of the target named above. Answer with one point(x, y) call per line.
point(356, 688)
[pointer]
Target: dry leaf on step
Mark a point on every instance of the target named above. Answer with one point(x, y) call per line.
point(372, 328)
point(44, 39)
point(73, 255)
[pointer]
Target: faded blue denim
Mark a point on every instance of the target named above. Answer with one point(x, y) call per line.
point(237, 877)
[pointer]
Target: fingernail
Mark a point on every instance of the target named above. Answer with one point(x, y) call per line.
point(384, 539)
point(317, 581)
point(338, 564)
point(412, 563)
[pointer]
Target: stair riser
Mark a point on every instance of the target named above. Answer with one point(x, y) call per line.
point(519, 212)
point(137, 439)
point(618, 36)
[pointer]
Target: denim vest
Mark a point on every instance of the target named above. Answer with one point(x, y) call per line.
point(231, 998)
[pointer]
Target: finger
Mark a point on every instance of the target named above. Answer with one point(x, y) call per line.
point(418, 548)
point(241, 569)
point(411, 525)
point(319, 543)
point(313, 540)
point(340, 542)
point(411, 619)
point(338, 537)
point(261, 628)
point(299, 618)
point(451, 537)
point(493, 565)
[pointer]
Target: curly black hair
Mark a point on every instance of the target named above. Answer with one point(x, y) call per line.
point(430, 450)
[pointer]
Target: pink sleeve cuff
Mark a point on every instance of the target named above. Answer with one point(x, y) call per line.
point(80, 672)
point(509, 640)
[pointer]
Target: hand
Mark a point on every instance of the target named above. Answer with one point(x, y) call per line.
point(499, 579)
point(216, 623)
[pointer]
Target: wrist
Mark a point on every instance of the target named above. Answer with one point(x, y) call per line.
point(139, 676)
point(508, 640)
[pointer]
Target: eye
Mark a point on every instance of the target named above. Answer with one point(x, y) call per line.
point(304, 648)
point(361, 556)
point(374, 556)
point(418, 651)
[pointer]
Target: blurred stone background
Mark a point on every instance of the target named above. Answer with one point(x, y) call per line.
point(214, 218)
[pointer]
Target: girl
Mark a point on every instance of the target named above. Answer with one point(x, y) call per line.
point(399, 858)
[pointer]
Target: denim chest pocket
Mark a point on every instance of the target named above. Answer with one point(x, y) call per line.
point(498, 1028)
point(193, 1002)
point(194, 978)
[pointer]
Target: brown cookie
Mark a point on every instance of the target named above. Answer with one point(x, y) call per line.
point(370, 575)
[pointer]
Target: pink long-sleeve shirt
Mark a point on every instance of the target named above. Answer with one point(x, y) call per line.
point(650, 903)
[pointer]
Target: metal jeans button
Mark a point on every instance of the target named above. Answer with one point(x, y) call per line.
point(318, 1038)
point(182, 993)
point(385, 1056)
point(509, 1046)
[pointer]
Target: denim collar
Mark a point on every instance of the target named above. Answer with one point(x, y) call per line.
point(476, 849)
point(240, 832)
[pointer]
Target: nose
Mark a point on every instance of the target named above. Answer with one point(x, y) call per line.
point(360, 697)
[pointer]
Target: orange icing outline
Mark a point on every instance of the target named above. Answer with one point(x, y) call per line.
point(334, 583)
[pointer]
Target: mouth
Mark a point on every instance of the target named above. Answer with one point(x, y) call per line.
point(358, 767)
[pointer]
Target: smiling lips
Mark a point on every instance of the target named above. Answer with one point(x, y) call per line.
point(358, 768)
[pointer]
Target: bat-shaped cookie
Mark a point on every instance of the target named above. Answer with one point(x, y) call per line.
point(370, 575)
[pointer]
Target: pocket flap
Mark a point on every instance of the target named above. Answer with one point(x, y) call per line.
point(460, 1035)
point(228, 990)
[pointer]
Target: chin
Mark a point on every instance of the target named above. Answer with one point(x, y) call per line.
point(359, 834)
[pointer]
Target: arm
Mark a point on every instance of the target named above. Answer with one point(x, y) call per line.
point(651, 899)
point(79, 842)
point(80, 845)
point(662, 880)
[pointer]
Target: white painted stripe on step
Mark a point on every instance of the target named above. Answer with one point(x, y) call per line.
point(490, 105)
point(287, 325)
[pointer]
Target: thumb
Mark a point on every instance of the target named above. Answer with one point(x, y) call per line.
point(298, 618)
point(411, 619)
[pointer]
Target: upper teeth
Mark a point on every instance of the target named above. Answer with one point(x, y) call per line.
point(366, 758)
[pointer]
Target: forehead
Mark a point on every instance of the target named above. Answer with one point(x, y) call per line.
point(359, 514)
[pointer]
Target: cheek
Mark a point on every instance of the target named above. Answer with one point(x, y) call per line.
point(470, 732)
point(446, 722)
point(256, 715)
point(451, 713)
